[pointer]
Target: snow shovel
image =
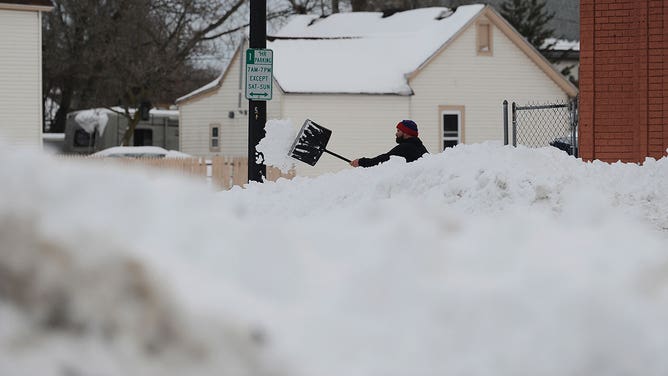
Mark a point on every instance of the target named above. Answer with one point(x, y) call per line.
point(311, 142)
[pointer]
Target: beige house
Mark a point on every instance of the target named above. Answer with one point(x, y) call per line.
point(21, 71)
point(358, 74)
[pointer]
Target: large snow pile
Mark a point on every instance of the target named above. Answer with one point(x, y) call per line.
point(481, 260)
point(276, 144)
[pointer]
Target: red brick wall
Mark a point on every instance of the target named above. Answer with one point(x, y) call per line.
point(623, 79)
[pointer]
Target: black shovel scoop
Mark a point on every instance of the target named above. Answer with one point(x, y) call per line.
point(311, 142)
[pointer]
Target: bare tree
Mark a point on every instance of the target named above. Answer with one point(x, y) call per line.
point(68, 41)
point(129, 52)
point(303, 6)
point(125, 52)
point(160, 38)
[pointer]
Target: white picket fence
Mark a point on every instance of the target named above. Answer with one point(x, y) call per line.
point(222, 172)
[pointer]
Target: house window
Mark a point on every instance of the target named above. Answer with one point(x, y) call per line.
point(452, 120)
point(214, 137)
point(484, 39)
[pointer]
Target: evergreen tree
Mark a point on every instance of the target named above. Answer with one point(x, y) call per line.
point(530, 18)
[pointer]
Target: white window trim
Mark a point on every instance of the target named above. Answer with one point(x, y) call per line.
point(451, 110)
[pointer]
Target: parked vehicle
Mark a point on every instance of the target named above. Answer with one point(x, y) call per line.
point(565, 144)
point(89, 131)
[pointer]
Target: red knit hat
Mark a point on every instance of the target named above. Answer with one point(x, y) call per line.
point(409, 127)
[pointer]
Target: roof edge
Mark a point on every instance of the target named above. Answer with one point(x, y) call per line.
point(197, 93)
point(411, 75)
point(25, 7)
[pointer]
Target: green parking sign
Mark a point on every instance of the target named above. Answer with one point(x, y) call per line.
point(259, 74)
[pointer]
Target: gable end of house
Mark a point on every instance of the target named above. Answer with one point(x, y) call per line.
point(509, 31)
point(531, 52)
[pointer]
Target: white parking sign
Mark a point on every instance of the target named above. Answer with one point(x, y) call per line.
point(259, 68)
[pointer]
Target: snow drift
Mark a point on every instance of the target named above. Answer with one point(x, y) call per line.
point(481, 260)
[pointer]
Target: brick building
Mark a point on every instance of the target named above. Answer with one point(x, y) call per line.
point(623, 79)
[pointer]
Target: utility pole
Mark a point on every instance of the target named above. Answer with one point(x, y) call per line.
point(257, 115)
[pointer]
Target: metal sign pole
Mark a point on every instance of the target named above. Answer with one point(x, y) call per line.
point(257, 110)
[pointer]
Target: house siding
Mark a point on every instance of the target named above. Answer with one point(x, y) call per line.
point(356, 120)
point(362, 125)
point(21, 78)
point(623, 80)
point(214, 108)
point(480, 84)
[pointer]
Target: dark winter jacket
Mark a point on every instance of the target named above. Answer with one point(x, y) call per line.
point(410, 148)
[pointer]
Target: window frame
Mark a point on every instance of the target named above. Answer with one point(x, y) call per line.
point(451, 110)
point(212, 138)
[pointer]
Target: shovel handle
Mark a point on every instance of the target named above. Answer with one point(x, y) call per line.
point(338, 156)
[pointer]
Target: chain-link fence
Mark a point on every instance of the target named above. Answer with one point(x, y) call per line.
point(538, 125)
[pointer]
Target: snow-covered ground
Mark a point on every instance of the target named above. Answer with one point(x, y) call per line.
point(481, 260)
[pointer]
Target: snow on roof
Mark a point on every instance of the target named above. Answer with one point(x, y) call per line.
point(362, 52)
point(161, 112)
point(562, 44)
point(360, 24)
point(358, 52)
